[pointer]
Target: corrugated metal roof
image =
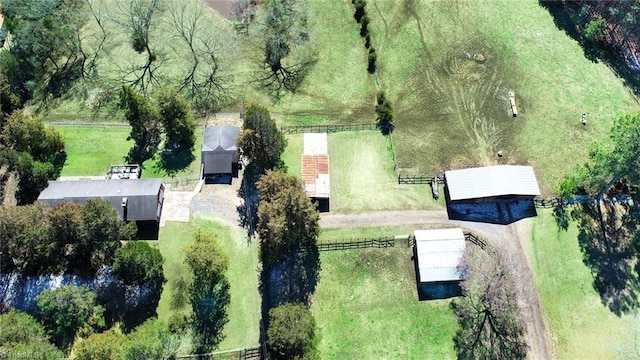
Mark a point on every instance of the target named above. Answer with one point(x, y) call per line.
point(315, 166)
point(220, 138)
point(491, 181)
point(440, 253)
point(315, 144)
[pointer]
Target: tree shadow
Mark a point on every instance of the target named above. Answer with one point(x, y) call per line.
point(608, 238)
point(567, 17)
point(293, 280)
point(172, 162)
point(248, 209)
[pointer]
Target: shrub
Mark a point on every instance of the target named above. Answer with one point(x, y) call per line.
point(372, 60)
point(364, 23)
point(367, 41)
point(359, 4)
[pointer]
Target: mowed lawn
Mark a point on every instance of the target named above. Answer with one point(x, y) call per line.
point(362, 175)
point(91, 149)
point(366, 307)
point(581, 327)
point(243, 328)
point(448, 67)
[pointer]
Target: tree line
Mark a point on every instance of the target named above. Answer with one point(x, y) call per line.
point(285, 221)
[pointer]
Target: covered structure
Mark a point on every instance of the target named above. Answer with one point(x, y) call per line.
point(315, 169)
point(439, 257)
point(138, 200)
point(219, 151)
point(497, 194)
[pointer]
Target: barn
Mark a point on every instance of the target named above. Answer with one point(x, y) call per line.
point(315, 169)
point(439, 258)
point(138, 200)
point(219, 152)
point(496, 194)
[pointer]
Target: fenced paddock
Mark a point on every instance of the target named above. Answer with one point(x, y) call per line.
point(299, 129)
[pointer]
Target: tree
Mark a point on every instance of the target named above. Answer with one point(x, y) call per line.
point(610, 160)
point(491, 326)
point(45, 57)
point(291, 333)
point(145, 126)
point(102, 346)
point(287, 56)
point(101, 226)
point(384, 114)
point(151, 340)
point(288, 227)
point(64, 222)
point(138, 266)
point(33, 176)
point(137, 263)
point(209, 291)
point(27, 134)
point(261, 141)
point(179, 128)
point(67, 310)
point(595, 30)
point(136, 17)
point(24, 335)
point(23, 239)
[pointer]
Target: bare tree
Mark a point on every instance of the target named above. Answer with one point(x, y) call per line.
point(202, 81)
point(287, 55)
point(137, 17)
point(491, 325)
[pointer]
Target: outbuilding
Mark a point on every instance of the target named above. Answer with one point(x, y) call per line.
point(498, 194)
point(138, 200)
point(315, 169)
point(219, 151)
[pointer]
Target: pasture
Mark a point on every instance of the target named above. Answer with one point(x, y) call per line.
point(581, 326)
point(362, 175)
point(448, 67)
point(243, 328)
point(366, 307)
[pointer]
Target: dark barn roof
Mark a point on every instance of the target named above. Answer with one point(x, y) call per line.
point(142, 195)
point(220, 138)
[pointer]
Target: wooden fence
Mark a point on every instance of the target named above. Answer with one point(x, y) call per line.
point(236, 354)
point(476, 240)
point(298, 129)
point(364, 243)
point(420, 179)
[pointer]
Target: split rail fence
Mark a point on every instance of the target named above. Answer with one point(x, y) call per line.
point(299, 129)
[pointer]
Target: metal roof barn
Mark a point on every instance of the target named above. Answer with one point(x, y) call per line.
point(440, 254)
point(491, 181)
point(315, 165)
point(219, 151)
point(134, 199)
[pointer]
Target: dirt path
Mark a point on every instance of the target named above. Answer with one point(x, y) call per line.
point(514, 239)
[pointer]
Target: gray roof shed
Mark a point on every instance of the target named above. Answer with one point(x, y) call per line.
point(144, 197)
point(219, 150)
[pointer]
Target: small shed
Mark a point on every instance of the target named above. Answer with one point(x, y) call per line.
point(138, 200)
point(315, 169)
point(219, 151)
point(439, 255)
point(491, 182)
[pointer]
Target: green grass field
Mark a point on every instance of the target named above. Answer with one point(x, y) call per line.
point(362, 175)
point(91, 149)
point(243, 328)
point(366, 307)
point(448, 67)
point(581, 327)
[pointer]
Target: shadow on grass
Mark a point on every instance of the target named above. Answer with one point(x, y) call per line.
point(248, 209)
point(173, 162)
point(566, 16)
point(608, 238)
